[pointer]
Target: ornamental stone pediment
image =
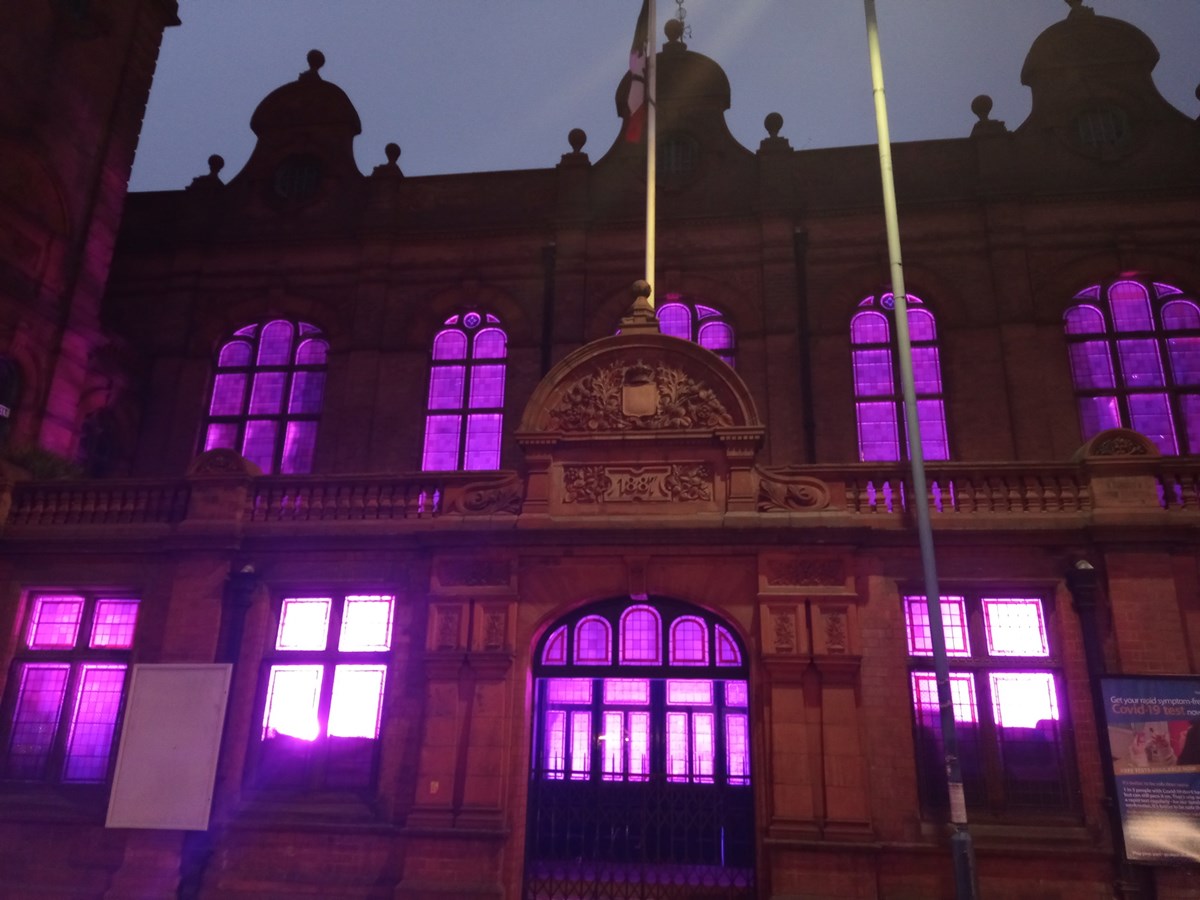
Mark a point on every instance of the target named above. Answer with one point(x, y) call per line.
point(640, 424)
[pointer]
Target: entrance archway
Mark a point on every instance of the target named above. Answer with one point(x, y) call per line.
point(640, 780)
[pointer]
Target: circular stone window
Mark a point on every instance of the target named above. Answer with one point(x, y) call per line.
point(297, 178)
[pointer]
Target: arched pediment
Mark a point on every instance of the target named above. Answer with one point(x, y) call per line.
point(640, 384)
point(640, 424)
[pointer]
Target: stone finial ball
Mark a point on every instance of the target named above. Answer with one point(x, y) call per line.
point(673, 29)
point(982, 106)
point(392, 152)
point(215, 164)
point(773, 122)
point(316, 59)
point(640, 288)
point(577, 137)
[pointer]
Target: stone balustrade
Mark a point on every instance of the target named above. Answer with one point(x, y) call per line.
point(858, 494)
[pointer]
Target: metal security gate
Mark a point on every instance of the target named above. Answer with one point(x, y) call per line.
point(651, 840)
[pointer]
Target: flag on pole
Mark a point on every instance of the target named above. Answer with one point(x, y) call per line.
point(635, 98)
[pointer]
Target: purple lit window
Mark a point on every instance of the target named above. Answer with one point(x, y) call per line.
point(555, 653)
point(267, 394)
point(1134, 348)
point(954, 626)
point(69, 686)
point(593, 642)
point(641, 636)
point(54, 623)
point(689, 642)
point(465, 410)
point(112, 624)
point(699, 323)
point(1006, 699)
point(728, 653)
point(97, 701)
point(642, 716)
point(879, 404)
point(324, 691)
point(1014, 626)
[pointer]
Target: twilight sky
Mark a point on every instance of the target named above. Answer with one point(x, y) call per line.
point(480, 85)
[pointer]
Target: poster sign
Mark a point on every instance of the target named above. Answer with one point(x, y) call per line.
point(1153, 725)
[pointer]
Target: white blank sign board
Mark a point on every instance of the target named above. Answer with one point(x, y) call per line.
point(167, 762)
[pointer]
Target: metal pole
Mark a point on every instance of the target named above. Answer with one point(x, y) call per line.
point(651, 143)
point(960, 842)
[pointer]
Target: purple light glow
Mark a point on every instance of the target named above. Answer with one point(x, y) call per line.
point(113, 622)
point(1143, 397)
point(689, 642)
point(1023, 699)
point(728, 653)
point(593, 642)
point(304, 623)
point(962, 694)
point(54, 622)
point(954, 626)
point(465, 436)
point(641, 629)
point(876, 376)
point(1014, 627)
point(265, 403)
point(35, 719)
point(89, 740)
point(292, 696)
point(366, 623)
point(357, 701)
point(581, 744)
point(555, 653)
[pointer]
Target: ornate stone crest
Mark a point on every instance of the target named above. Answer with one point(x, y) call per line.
point(636, 396)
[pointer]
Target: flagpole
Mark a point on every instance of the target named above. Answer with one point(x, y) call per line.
point(962, 852)
point(651, 144)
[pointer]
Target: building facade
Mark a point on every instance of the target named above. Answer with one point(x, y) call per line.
point(522, 588)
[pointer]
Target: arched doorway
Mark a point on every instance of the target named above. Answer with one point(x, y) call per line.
point(640, 782)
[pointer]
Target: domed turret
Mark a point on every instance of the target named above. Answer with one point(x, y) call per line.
point(1091, 75)
point(307, 102)
point(306, 132)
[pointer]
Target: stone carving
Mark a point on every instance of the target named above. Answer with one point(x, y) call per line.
point(446, 633)
point(804, 572)
point(689, 482)
point(502, 495)
point(835, 630)
point(222, 462)
point(678, 482)
point(494, 628)
point(1119, 445)
point(779, 489)
point(585, 484)
point(783, 626)
point(473, 573)
point(637, 397)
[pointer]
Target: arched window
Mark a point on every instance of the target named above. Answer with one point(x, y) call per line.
point(697, 323)
point(466, 394)
point(266, 395)
point(1134, 346)
point(878, 397)
point(641, 751)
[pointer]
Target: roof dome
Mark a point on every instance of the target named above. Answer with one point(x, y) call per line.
point(1086, 40)
point(307, 101)
point(685, 80)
